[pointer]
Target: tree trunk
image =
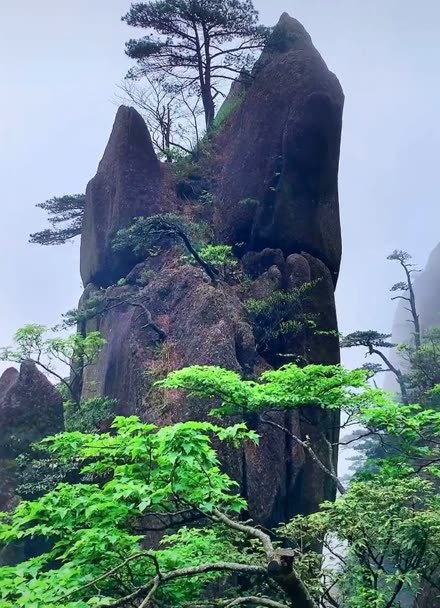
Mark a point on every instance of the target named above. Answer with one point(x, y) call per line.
point(208, 106)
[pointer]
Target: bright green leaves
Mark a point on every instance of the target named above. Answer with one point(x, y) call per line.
point(220, 257)
point(138, 477)
point(34, 342)
point(76, 346)
point(331, 387)
point(135, 472)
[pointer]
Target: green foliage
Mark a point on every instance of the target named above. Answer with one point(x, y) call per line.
point(39, 472)
point(218, 256)
point(91, 308)
point(132, 473)
point(370, 339)
point(423, 365)
point(283, 313)
point(331, 387)
point(206, 198)
point(36, 342)
point(147, 235)
point(146, 277)
point(382, 535)
point(65, 216)
point(88, 416)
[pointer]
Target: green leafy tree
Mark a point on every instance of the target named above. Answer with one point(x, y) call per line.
point(197, 44)
point(65, 216)
point(89, 417)
point(375, 341)
point(382, 538)
point(139, 478)
point(424, 365)
point(290, 387)
point(52, 354)
point(383, 533)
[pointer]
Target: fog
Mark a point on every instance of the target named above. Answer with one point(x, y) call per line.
point(61, 62)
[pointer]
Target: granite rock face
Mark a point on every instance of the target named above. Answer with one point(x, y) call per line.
point(201, 325)
point(281, 150)
point(127, 185)
point(271, 173)
point(30, 409)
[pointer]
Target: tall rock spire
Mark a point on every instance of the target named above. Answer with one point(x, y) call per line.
point(281, 148)
point(127, 185)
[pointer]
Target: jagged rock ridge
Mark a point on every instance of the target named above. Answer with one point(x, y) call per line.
point(279, 149)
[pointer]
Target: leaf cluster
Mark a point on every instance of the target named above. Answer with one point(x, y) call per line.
point(135, 474)
point(88, 416)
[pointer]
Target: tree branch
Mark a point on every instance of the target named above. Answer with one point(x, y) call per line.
point(188, 572)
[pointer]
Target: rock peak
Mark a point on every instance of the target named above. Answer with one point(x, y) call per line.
point(127, 185)
point(281, 149)
point(288, 34)
point(129, 129)
point(7, 379)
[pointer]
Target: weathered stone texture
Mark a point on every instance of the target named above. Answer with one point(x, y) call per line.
point(30, 409)
point(204, 325)
point(127, 185)
point(281, 148)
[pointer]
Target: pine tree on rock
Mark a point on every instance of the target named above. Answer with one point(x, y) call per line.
point(200, 43)
point(65, 215)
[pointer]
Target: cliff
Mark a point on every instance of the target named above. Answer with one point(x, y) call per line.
point(269, 171)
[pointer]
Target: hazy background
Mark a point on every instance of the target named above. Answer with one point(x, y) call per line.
point(61, 61)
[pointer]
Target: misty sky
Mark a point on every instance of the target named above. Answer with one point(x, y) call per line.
point(61, 61)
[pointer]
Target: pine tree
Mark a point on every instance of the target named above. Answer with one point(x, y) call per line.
point(65, 215)
point(199, 44)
